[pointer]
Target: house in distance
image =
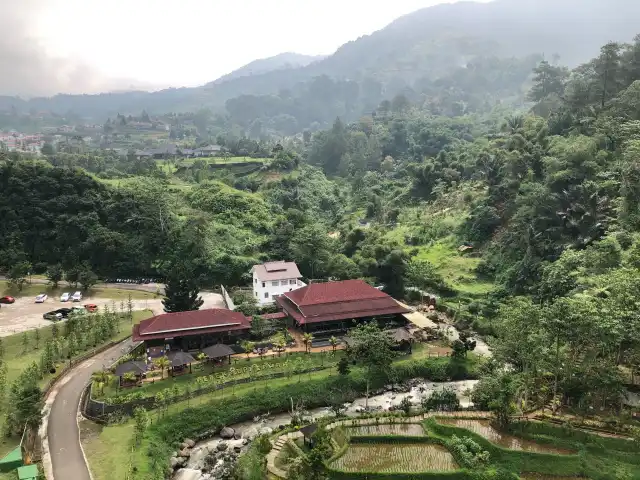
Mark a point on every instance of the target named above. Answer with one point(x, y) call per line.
point(275, 278)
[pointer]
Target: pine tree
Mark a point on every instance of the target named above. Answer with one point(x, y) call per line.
point(25, 342)
point(37, 337)
point(54, 331)
point(181, 295)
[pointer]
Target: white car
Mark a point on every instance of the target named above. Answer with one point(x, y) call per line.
point(41, 298)
point(77, 297)
point(65, 297)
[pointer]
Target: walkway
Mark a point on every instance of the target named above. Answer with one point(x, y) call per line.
point(63, 457)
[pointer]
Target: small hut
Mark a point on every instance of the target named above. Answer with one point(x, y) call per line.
point(402, 338)
point(217, 351)
point(308, 432)
point(139, 369)
point(179, 361)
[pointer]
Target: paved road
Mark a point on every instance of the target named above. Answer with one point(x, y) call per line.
point(67, 460)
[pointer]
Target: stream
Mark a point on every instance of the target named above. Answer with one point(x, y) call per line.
point(245, 431)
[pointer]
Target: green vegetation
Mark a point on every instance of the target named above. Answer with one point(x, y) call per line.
point(15, 361)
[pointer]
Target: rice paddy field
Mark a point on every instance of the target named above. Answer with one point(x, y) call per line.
point(485, 430)
point(395, 458)
point(405, 429)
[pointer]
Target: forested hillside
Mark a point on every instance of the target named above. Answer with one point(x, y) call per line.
point(452, 59)
point(525, 224)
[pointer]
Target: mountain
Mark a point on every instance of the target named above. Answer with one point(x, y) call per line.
point(432, 51)
point(282, 61)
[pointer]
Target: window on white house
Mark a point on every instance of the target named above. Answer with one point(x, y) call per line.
point(266, 294)
point(292, 282)
point(283, 282)
point(256, 294)
point(255, 280)
point(264, 284)
point(274, 284)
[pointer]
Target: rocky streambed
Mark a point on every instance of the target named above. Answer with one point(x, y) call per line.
point(214, 459)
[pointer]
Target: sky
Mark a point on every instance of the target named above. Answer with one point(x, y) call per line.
point(88, 46)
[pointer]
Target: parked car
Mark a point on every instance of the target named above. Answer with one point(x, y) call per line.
point(57, 315)
point(65, 297)
point(91, 307)
point(7, 300)
point(41, 298)
point(77, 297)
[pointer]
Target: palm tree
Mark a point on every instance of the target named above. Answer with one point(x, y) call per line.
point(248, 347)
point(280, 345)
point(334, 343)
point(162, 363)
point(307, 339)
point(129, 377)
point(101, 379)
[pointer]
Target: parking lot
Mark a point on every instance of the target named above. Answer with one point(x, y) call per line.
point(25, 314)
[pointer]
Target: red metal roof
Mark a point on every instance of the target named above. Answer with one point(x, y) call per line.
point(323, 302)
point(184, 324)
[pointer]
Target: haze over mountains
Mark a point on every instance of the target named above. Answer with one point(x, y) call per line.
point(411, 52)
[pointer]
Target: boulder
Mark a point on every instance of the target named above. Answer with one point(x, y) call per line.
point(184, 445)
point(190, 443)
point(174, 463)
point(237, 449)
point(184, 453)
point(222, 446)
point(237, 436)
point(227, 433)
point(250, 433)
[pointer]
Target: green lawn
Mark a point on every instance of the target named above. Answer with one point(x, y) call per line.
point(31, 290)
point(17, 360)
point(107, 448)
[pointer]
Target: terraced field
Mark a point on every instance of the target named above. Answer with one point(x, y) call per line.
point(406, 429)
point(484, 429)
point(396, 458)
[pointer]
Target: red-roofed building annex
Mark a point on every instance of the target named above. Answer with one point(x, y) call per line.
point(338, 306)
point(192, 330)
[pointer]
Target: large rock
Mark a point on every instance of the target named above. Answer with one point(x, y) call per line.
point(184, 445)
point(184, 453)
point(190, 443)
point(174, 462)
point(227, 433)
point(222, 446)
point(250, 433)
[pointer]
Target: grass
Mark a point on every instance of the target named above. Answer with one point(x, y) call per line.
point(457, 269)
point(31, 290)
point(108, 449)
point(204, 369)
point(17, 360)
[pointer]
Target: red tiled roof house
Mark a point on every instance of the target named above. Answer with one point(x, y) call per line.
point(334, 305)
point(192, 330)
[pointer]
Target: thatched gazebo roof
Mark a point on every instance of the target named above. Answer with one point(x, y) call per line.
point(400, 335)
point(133, 366)
point(217, 351)
point(180, 358)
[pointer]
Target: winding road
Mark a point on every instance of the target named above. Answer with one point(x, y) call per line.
point(63, 457)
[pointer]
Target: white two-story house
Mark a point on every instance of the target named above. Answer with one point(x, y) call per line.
point(275, 278)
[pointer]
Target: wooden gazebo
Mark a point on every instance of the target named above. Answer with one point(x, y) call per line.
point(179, 360)
point(219, 350)
point(308, 432)
point(136, 367)
point(401, 337)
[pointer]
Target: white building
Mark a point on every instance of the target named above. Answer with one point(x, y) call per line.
point(275, 278)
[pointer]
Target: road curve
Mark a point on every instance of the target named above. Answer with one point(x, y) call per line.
point(64, 458)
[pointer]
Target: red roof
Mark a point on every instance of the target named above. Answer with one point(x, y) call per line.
point(323, 302)
point(185, 324)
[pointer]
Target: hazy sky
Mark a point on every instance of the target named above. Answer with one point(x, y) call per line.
point(93, 45)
